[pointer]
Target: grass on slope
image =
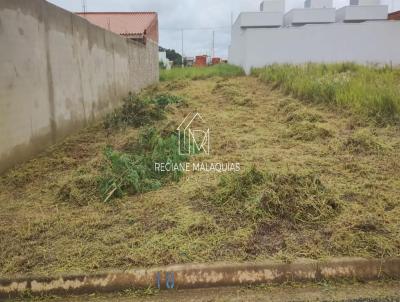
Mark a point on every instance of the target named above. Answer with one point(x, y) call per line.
point(201, 73)
point(374, 92)
point(314, 183)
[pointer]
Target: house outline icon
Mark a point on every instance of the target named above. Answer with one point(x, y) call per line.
point(187, 136)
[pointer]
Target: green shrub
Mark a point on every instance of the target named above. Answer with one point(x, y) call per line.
point(131, 173)
point(197, 73)
point(137, 111)
point(371, 91)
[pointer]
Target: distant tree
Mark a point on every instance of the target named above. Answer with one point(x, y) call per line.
point(161, 65)
point(172, 55)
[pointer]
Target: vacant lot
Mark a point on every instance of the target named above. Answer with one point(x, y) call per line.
point(315, 182)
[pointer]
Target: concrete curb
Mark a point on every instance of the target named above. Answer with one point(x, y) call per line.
point(205, 275)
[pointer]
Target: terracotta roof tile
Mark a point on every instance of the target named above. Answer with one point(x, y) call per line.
point(123, 23)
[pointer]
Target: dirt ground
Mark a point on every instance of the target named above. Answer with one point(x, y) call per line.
point(339, 174)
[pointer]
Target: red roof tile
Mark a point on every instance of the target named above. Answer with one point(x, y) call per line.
point(394, 15)
point(125, 23)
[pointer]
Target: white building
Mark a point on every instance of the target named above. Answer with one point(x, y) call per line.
point(318, 33)
point(162, 58)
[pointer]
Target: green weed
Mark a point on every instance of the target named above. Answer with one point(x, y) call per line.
point(131, 173)
point(138, 111)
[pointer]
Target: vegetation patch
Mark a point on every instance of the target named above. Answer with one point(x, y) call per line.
point(177, 84)
point(233, 94)
point(371, 91)
point(201, 73)
point(300, 199)
point(363, 142)
point(130, 171)
point(134, 172)
point(306, 131)
point(137, 111)
point(313, 199)
point(303, 115)
point(236, 188)
point(80, 189)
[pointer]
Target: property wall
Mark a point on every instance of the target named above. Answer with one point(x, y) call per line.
point(58, 73)
point(363, 43)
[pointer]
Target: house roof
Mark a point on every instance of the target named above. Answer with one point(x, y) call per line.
point(123, 23)
point(395, 15)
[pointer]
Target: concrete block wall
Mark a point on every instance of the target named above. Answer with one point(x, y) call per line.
point(58, 73)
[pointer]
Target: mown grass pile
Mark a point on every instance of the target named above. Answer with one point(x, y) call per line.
point(301, 199)
point(197, 73)
point(254, 196)
point(363, 142)
point(371, 91)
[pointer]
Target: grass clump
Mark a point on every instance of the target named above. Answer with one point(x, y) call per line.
point(138, 111)
point(363, 142)
point(371, 91)
point(235, 200)
point(195, 73)
point(233, 94)
point(134, 172)
point(299, 116)
point(300, 199)
point(238, 187)
point(80, 189)
point(306, 131)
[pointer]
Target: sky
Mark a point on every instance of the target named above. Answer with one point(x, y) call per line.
point(199, 18)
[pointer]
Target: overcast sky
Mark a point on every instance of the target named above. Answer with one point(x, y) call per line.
point(199, 17)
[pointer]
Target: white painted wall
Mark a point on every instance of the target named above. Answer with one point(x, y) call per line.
point(365, 2)
point(362, 13)
point(363, 43)
point(310, 15)
point(273, 6)
point(260, 19)
point(318, 3)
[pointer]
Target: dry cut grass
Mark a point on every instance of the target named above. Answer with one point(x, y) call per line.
point(314, 183)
